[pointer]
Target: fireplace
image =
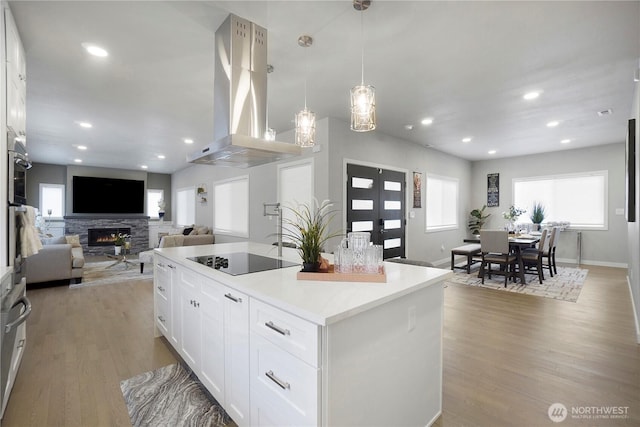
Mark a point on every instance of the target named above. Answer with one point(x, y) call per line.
point(135, 225)
point(104, 236)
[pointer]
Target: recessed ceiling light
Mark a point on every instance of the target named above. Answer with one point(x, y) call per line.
point(161, 156)
point(466, 139)
point(531, 95)
point(188, 141)
point(82, 147)
point(427, 121)
point(77, 160)
point(553, 124)
point(144, 166)
point(492, 151)
point(565, 141)
point(408, 127)
point(85, 125)
point(606, 112)
point(95, 50)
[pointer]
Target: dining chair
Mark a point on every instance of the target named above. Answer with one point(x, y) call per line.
point(550, 253)
point(532, 258)
point(494, 247)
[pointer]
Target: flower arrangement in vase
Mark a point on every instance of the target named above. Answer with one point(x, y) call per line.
point(512, 216)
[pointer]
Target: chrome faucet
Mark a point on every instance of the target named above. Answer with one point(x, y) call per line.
point(276, 210)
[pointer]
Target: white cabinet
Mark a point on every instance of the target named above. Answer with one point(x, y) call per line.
point(285, 374)
point(212, 320)
point(213, 337)
point(236, 356)
point(166, 299)
point(16, 77)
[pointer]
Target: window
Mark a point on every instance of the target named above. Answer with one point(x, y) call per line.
point(442, 203)
point(52, 198)
point(186, 206)
point(580, 199)
point(295, 186)
point(153, 197)
point(231, 206)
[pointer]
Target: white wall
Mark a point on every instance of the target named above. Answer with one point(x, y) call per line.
point(598, 247)
point(3, 144)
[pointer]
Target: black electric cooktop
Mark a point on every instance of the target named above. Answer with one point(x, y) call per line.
point(241, 263)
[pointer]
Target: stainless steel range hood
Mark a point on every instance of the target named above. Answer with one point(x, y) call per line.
point(240, 100)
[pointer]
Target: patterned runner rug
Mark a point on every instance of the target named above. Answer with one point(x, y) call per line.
point(171, 396)
point(564, 286)
point(108, 272)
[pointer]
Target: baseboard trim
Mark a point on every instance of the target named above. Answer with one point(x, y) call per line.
point(592, 262)
point(635, 312)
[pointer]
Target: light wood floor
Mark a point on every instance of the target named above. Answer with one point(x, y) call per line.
point(507, 357)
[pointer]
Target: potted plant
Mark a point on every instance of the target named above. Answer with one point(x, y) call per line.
point(477, 220)
point(537, 214)
point(119, 241)
point(307, 228)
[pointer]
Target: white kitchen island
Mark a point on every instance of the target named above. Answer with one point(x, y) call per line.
point(274, 350)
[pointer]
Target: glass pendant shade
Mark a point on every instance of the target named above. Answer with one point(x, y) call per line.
point(363, 108)
point(270, 134)
point(305, 128)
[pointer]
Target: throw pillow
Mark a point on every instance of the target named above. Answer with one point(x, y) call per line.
point(187, 231)
point(73, 240)
point(54, 240)
point(203, 230)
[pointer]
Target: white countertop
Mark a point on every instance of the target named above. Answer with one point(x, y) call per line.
point(321, 302)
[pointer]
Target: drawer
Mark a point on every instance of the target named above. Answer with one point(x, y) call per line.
point(284, 389)
point(161, 290)
point(291, 333)
point(162, 314)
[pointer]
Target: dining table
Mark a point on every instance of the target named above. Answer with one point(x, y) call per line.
point(517, 242)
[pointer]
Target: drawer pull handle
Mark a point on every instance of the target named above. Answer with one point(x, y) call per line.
point(160, 318)
point(160, 288)
point(232, 298)
point(282, 384)
point(278, 329)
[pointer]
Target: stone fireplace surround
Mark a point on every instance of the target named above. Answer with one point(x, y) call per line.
point(80, 224)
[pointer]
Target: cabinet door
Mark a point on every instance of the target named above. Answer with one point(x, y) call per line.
point(212, 340)
point(190, 318)
point(236, 349)
point(16, 77)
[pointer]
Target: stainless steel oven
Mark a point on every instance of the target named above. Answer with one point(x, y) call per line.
point(18, 164)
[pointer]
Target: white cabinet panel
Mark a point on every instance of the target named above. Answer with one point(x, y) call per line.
point(236, 356)
point(212, 321)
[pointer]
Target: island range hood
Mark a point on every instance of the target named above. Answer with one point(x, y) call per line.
point(240, 100)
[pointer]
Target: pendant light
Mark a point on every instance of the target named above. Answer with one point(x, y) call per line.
point(363, 97)
point(305, 120)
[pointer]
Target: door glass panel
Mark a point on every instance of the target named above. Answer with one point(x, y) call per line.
point(392, 205)
point(361, 182)
point(362, 226)
point(362, 205)
point(392, 186)
point(392, 243)
point(391, 224)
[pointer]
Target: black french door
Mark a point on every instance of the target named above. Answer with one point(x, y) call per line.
point(376, 203)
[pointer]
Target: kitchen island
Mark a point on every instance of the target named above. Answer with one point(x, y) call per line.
point(274, 350)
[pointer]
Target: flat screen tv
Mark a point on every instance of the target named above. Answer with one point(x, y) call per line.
point(92, 195)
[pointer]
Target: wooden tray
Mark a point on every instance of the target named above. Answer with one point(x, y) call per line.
point(331, 276)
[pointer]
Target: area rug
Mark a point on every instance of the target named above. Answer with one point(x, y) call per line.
point(170, 396)
point(106, 272)
point(564, 286)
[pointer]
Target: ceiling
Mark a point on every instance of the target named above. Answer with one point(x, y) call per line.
point(465, 64)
